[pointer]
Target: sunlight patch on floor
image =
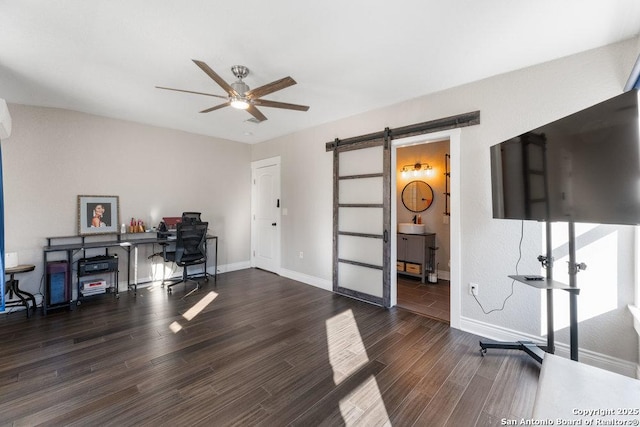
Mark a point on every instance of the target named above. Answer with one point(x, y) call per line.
point(365, 404)
point(193, 311)
point(347, 354)
point(200, 305)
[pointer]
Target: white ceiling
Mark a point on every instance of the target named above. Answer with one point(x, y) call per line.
point(348, 56)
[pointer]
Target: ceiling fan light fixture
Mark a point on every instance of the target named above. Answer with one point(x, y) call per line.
point(239, 103)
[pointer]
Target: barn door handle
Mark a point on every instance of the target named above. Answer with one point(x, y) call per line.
point(274, 224)
point(385, 236)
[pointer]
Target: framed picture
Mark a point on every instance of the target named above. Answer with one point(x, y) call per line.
point(98, 215)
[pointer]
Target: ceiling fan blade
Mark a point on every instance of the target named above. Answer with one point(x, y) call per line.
point(276, 104)
point(270, 88)
point(256, 113)
point(223, 84)
point(217, 107)
point(191, 91)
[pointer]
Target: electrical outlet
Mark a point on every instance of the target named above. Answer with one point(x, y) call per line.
point(301, 255)
point(473, 288)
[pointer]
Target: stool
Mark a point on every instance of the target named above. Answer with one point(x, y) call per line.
point(12, 287)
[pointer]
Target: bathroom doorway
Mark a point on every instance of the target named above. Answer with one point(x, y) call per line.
point(423, 252)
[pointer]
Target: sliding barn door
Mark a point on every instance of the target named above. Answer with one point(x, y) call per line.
point(362, 219)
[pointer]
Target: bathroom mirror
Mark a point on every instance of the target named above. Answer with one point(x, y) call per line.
point(417, 196)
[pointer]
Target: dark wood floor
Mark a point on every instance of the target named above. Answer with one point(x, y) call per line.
point(427, 299)
point(266, 351)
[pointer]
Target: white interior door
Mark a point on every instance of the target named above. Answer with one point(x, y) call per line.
point(362, 222)
point(266, 214)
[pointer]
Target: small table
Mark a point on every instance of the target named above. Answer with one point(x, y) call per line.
point(12, 287)
point(577, 394)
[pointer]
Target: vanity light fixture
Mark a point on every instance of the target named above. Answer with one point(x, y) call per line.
point(416, 170)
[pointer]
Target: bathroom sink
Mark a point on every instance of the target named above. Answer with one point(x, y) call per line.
point(410, 228)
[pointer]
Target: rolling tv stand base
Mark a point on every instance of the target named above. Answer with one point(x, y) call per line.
point(529, 347)
point(532, 349)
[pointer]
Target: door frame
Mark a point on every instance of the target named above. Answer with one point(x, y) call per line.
point(455, 220)
point(255, 165)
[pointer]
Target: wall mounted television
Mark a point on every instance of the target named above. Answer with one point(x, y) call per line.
point(582, 168)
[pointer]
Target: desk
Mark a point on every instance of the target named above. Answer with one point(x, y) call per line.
point(73, 244)
point(569, 390)
point(12, 287)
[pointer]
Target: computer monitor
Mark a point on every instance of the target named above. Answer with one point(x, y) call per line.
point(171, 221)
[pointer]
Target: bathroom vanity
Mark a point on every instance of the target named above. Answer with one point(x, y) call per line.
point(416, 254)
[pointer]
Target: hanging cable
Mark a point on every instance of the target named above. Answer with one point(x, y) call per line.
point(512, 281)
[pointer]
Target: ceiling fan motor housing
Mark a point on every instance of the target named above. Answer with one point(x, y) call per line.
point(240, 87)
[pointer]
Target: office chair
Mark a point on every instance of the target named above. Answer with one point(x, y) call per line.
point(191, 249)
point(190, 217)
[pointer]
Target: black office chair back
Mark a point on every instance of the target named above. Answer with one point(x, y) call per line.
point(190, 217)
point(191, 243)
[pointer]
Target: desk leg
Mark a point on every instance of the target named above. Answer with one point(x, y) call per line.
point(45, 294)
point(69, 284)
point(128, 267)
point(135, 270)
point(215, 264)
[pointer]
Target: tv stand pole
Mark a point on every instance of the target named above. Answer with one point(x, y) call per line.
point(532, 349)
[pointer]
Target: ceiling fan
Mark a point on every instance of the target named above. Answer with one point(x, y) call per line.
point(240, 96)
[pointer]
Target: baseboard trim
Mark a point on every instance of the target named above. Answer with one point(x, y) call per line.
point(327, 285)
point(444, 275)
point(588, 357)
point(226, 268)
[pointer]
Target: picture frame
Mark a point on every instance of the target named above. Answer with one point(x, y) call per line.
point(98, 214)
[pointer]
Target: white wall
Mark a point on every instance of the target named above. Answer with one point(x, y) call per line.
point(510, 104)
point(54, 155)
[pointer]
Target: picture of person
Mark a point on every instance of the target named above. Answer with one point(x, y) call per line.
point(98, 215)
point(96, 221)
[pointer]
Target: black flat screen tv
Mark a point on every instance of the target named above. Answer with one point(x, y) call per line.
point(582, 168)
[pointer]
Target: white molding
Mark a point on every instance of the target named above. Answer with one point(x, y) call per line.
point(225, 268)
point(444, 275)
point(588, 357)
point(455, 221)
point(635, 313)
point(5, 120)
point(327, 285)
